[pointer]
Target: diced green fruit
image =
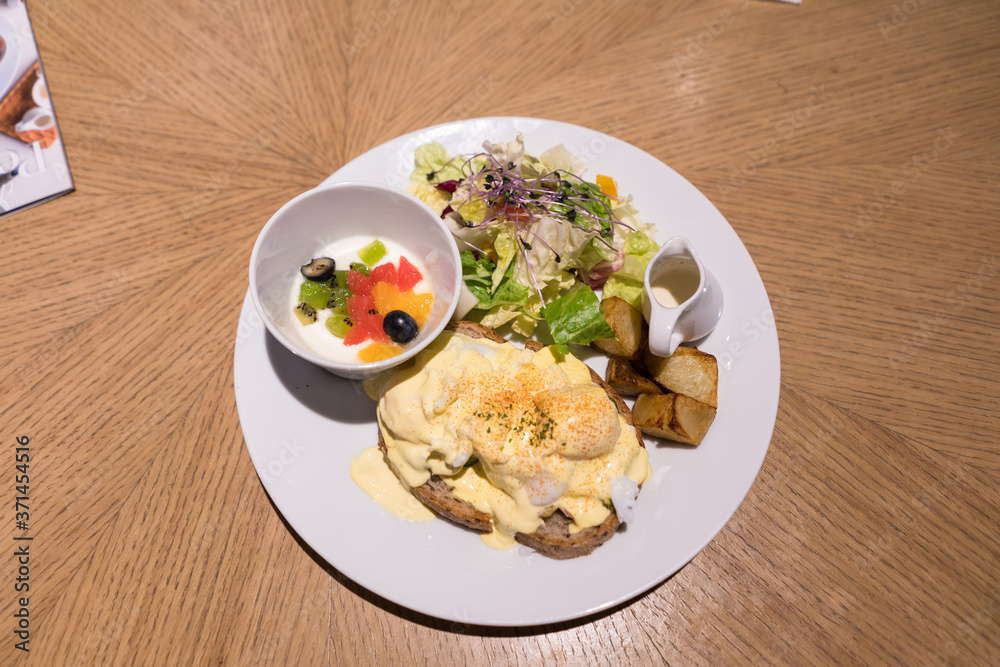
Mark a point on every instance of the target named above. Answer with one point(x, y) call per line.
point(316, 295)
point(339, 279)
point(305, 313)
point(339, 322)
point(372, 252)
point(319, 300)
point(338, 297)
point(363, 269)
point(308, 288)
point(338, 326)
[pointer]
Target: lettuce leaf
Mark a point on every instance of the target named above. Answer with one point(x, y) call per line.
point(637, 243)
point(576, 317)
point(504, 152)
point(477, 272)
point(594, 253)
point(478, 276)
point(627, 282)
point(438, 200)
point(559, 157)
point(624, 288)
point(505, 244)
point(433, 157)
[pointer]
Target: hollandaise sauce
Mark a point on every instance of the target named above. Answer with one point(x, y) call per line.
point(370, 472)
point(515, 433)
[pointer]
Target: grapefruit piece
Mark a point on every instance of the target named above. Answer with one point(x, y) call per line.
point(359, 283)
point(359, 305)
point(367, 327)
point(407, 275)
point(383, 273)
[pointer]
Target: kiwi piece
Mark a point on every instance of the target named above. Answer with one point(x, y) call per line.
point(363, 269)
point(339, 279)
point(305, 313)
point(372, 252)
point(338, 297)
point(315, 295)
point(339, 322)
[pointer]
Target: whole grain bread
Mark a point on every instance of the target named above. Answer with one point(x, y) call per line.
point(553, 538)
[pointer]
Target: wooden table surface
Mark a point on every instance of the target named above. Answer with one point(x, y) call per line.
point(852, 146)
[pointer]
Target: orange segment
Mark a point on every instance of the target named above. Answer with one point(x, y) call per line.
point(386, 297)
point(607, 185)
point(378, 352)
point(417, 305)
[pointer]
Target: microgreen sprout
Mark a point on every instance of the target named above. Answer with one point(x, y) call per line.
point(510, 196)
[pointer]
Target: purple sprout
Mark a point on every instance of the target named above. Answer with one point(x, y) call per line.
point(504, 188)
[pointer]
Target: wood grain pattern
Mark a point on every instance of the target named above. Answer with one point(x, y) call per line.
point(871, 534)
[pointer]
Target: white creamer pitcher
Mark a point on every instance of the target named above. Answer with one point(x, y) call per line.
point(681, 301)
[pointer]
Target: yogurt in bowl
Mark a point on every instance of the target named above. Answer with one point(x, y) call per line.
point(349, 315)
point(319, 222)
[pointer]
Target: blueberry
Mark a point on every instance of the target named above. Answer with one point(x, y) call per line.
point(399, 326)
point(320, 269)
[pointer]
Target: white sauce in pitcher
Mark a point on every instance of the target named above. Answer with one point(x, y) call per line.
point(676, 285)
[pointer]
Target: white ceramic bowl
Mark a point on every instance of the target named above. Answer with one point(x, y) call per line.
point(318, 217)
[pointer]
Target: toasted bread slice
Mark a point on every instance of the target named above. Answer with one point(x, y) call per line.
point(553, 538)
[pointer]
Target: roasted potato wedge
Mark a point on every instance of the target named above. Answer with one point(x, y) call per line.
point(623, 377)
point(673, 417)
point(628, 326)
point(687, 371)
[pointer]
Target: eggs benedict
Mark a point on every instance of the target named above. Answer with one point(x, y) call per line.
point(524, 445)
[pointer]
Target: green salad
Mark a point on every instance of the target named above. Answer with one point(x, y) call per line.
point(536, 239)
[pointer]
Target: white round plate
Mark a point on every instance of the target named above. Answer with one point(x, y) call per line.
point(303, 425)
